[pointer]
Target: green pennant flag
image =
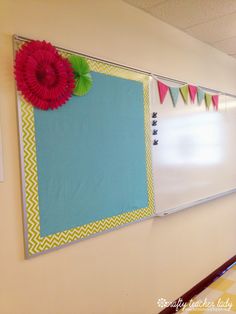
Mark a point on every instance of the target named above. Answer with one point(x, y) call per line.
point(208, 99)
point(184, 93)
point(200, 96)
point(174, 93)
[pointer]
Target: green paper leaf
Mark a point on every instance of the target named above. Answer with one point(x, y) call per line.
point(83, 84)
point(79, 65)
point(83, 79)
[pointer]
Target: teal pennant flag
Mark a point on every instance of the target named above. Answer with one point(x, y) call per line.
point(200, 96)
point(174, 93)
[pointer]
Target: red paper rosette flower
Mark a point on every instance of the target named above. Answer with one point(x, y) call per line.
point(45, 78)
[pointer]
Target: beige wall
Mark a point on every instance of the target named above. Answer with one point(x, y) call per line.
point(125, 271)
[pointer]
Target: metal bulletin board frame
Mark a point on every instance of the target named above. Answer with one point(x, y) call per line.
point(35, 243)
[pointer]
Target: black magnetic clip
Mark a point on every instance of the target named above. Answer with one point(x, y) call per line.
point(155, 142)
point(154, 115)
point(154, 132)
point(154, 122)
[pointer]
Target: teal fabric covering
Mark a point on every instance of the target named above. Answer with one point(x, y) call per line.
point(91, 156)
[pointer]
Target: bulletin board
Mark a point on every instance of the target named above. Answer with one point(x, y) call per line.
point(86, 167)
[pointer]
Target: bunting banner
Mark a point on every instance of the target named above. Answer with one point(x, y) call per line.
point(215, 101)
point(208, 98)
point(188, 91)
point(192, 92)
point(174, 93)
point(200, 96)
point(184, 93)
point(163, 89)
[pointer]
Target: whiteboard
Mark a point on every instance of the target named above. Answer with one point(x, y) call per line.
point(194, 160)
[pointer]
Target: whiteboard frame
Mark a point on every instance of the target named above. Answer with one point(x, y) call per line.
point(195, 203)
point(171, 210)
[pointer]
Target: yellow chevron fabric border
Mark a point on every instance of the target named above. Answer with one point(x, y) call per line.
point(34, 242)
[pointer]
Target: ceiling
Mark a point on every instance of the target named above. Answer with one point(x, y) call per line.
point(211, 21)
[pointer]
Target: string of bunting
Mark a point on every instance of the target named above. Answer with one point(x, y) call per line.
point(187, 92)
point(48, 80)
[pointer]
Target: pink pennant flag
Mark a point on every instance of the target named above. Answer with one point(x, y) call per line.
point(192, 92)
point(215, 101)
point(163, 89)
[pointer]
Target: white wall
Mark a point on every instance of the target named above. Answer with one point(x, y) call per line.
point(125, 271)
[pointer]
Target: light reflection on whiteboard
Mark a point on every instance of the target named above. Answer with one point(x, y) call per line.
point(194, 139)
